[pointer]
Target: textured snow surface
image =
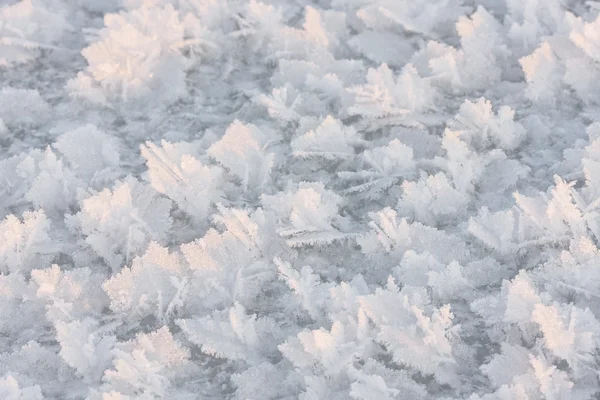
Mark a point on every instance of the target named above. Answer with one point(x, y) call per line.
point(296, 199)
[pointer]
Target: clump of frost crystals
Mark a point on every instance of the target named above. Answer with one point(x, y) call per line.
point(242, 150)
point(310, 212)
point(582, 69)
point(137, 57)
point(330, 140)
point(231, 334)
point(117, 224)
point(475, 142)
point(387, 99)
point(154, 285)
point(22, 108)
point(482, 129)
point(431, 18)
point(382, 168)
point(543, 72)
point(146, 366)
point(174, 171)
point(473, 66)
point(93, 154)
point(431, 199)
point(11, 390)
point(29, 26)
point(427, 346)
point(26, 245)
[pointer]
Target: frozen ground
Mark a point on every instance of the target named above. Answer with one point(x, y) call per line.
point(283, 199)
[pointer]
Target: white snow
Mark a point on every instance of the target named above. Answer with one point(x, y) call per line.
point(299, 199)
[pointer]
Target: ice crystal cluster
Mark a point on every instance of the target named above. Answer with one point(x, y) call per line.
point(296, 199)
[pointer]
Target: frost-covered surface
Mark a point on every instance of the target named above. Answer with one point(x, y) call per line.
point(283, 199)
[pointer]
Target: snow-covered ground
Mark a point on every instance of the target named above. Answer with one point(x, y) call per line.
point(295, 199)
